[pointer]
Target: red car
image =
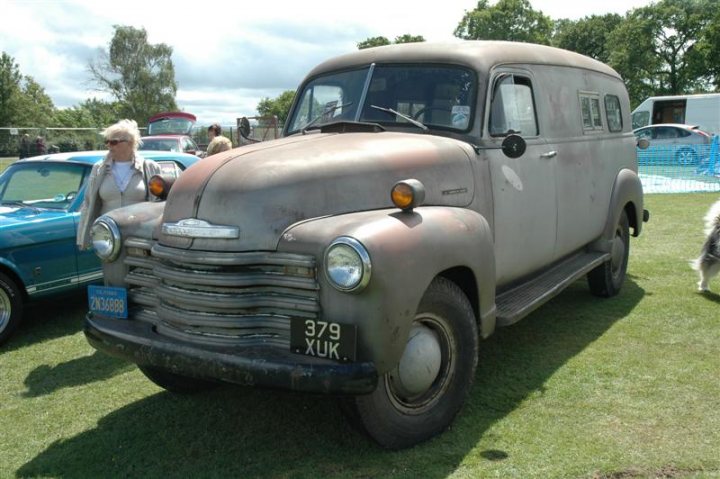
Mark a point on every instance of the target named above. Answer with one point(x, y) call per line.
point(170, 131)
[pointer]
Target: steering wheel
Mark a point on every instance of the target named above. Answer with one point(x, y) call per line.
point(430, 108)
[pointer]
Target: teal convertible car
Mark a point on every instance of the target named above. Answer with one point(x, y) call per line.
point(40, 199)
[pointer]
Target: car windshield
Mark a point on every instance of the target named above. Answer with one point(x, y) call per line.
point(156, 144)
point(437, 96)
point(170, 126)
point(42, 185)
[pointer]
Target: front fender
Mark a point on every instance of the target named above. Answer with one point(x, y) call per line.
point(140, 220)
point(407, 250)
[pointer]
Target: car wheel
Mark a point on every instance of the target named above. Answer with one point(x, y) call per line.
point(421, 396)
point(686, 157)
point(607, 279)
point(11, 305)
point(175, 382)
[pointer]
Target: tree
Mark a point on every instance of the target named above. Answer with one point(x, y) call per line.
point(373, 42)
point(513, 20)
point(34, 105)
point(140, 76)
point(10, 78)
point(588, 36)
point(280, 106)
point(708, 47)
point(654, 49)
point(92, 113)
point(381, 41)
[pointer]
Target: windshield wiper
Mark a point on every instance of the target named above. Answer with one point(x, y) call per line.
point(324, 112)
point(401, 115)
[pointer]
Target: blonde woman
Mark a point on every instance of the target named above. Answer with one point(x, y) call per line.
point(119, 180)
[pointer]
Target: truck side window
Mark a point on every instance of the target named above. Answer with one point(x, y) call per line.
point(613, 115)
point(590, 109)
point(512, 108)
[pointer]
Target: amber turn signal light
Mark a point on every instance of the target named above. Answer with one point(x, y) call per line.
point(408, 194)
point(160, 185)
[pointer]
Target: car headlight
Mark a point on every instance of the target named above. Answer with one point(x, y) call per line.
point(347, 264)
point(105, 236)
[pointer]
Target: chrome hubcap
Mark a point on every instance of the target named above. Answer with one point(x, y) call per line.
point(5, 309)
point(420, 363)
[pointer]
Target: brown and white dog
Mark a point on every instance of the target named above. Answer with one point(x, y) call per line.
point(708, 263)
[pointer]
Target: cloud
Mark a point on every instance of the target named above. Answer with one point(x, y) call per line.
point(227, 55)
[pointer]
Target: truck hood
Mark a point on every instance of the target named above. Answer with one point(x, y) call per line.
point(262, 189)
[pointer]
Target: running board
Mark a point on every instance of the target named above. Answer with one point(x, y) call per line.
point(518, 302)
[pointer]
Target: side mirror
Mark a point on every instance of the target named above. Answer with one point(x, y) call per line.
point(643, 143)
point(244, 127)
point(514, 146)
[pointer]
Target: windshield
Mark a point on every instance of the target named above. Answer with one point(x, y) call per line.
point(438, 96)
point(42, 185)
point(170, 126)
point(169, 144)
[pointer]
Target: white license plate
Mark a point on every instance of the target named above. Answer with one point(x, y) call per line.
point(108, 301)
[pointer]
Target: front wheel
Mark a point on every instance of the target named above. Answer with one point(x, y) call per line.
point(607, 279)
point(421, 396)
point(175, 382)
point(11, 304)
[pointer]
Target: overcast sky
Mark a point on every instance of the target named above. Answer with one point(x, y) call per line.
point(229, 55)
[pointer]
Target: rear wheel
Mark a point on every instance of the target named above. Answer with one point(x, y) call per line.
point(175, 382)
point(422, 395)
point(686, 157)
point(607, 279)
point(11, 305)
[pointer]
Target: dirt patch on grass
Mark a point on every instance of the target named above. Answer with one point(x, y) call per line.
point(665, 472)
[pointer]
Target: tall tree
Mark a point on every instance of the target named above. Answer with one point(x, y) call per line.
point(513, 20)
point(140, 76)
point(279, 106)
point(654, 49)
point(10, 78)
point(35, 106)
point(588, 36)
point(381, 41)
point(708, 47)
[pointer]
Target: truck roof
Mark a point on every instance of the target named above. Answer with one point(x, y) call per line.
point(480, 55)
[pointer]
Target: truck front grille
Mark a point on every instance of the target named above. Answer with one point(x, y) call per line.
point(228, 299)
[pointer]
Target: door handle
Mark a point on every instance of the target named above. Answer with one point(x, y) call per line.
point(549, 154)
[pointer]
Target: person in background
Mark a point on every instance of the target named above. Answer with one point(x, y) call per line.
point(218, 142)
point(40, 148)
point(120, 179)
point(24, 146)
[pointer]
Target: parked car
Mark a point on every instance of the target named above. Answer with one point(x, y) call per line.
point(170, 131)
point(175, 143)
point(40, 198)
point(423, 194)
point(673, 144)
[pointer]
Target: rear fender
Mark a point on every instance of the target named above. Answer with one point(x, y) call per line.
point(627, 195)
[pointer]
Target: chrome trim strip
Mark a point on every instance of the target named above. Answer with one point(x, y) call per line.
point(194, 228)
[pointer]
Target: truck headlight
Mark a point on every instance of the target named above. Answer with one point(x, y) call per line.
point(347, 264)
point(105, 236)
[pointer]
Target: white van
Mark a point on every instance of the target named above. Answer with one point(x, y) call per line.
point(701, 110)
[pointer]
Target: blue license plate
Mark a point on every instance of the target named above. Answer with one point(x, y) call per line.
point(108, 301)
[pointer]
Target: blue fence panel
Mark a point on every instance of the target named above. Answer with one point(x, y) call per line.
point(680, 168)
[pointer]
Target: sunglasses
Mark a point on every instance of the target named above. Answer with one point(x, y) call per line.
point(114, 142)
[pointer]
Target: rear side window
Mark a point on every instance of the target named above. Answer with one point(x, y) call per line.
point(513, 107)
point(590, 109)
point(613, 114)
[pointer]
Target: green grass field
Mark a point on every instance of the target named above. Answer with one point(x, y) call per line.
point(583, 388)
